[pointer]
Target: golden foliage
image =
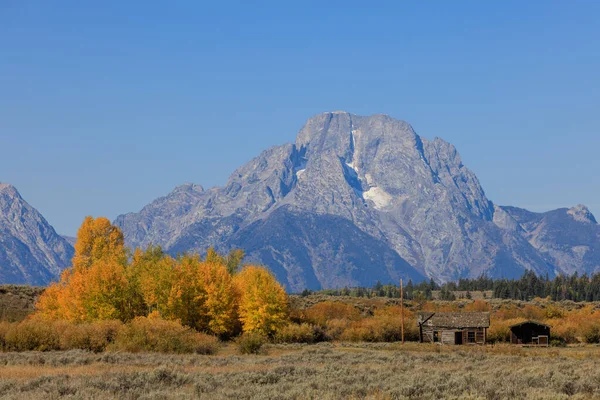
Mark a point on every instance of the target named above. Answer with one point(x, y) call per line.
point(296, 333)
point(232, 261)
point(150, 277)
point(103, 285)
point(220, 305)
point(96, 287)
point(97, 293)
point(32, 334)
point(153, 333)
point(202, 295)
point(98, 239)
point(478, 306)
point(321, 313)
point(384, 326)
point(263, 304)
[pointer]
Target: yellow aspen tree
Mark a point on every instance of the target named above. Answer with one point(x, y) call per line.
point(95, 287)
point(263, 303)
point(151, 276)
point(213, 257)
point(232, 261)
point(220, 299)
point(59, 302)
point(49, 304)
point(104, 292)
point(97, 238)
point(187, 294)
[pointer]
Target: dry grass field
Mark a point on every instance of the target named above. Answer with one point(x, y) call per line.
point(321, 371)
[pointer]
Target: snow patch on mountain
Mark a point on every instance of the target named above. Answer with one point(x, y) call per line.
point(378, 196)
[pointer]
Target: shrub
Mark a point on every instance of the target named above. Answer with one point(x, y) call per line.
point(389, 320)
point(533, 313)
point(385, 326)
point(94, 337)
point(591, 332)
point(321, 313)
point(478, 305)
point(32, 335)
point(250, 343)
point(564, 330)
point(4, 328)
point(294, 333)
point(357, 333)
point(156, 334)
point(554, 312)
point(335, 328)
point(105, 331)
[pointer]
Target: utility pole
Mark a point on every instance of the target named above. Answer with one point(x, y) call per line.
point(402, 309)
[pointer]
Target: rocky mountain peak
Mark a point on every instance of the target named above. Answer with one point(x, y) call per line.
point(8, 190)
point(189, 187)
point(347, 183)
point(581, 213)
point(342, 132)
point(31, 251)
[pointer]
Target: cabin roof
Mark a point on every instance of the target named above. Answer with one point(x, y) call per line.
point(454, 319)
point(529, 323)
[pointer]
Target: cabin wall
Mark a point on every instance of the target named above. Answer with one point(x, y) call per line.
point(513, 338)
point(474, 336)
point(432, 334)
point(530, 334)
point(448, 337)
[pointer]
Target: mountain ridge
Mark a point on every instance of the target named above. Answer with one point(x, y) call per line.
point(31, 252)
point(353, 200)
point(410, 194)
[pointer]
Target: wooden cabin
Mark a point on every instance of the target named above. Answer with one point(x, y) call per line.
point(453, 327)
point(530, 333)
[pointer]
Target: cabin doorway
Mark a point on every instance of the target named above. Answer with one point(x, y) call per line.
point(458, 337)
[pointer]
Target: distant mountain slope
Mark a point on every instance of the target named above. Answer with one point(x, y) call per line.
point(569, 239)
point(31, 252)
point(70, 239)
point(354, 200)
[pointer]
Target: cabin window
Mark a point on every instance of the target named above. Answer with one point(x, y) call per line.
point(436, 336)
point(471, 337)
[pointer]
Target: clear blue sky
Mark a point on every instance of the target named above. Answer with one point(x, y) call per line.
point(106, 105)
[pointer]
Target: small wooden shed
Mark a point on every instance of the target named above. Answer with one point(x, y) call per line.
point(453, 327)
point(530, 333)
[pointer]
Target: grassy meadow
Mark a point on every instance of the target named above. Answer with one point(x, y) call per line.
point(319, 371)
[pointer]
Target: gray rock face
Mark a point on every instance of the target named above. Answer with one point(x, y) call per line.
point(354, 200)
point(31, 252)
point(569, 239)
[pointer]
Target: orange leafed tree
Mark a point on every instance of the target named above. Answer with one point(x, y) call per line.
point(186, 294)
point(263, 306)
point(96, 287)
point(202, 295)
point(98, 239)
point(207, 295)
